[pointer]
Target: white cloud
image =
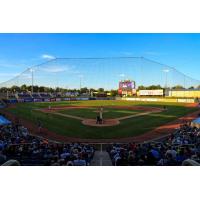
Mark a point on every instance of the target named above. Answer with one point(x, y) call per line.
point(47, 56)
point(61, 68)
point(122, 75)
point(166, 70)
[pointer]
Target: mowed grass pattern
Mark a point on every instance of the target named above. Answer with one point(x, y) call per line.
point(92, 112)
point(127, 128)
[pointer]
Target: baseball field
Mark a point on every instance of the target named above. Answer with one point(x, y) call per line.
point(122, 119)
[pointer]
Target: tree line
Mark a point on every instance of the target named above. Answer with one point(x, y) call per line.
point(176, 87)
point(44, 89)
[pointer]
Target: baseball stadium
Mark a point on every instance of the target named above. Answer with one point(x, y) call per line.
point(100, 111)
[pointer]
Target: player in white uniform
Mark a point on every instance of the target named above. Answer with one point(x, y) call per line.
point(101, 114)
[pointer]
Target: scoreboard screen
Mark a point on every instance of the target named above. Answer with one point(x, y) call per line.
point(127, 85)
point(126, 88)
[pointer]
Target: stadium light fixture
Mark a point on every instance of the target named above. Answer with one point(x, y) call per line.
point(80, 77)
point(122, 75)
point(166, 70)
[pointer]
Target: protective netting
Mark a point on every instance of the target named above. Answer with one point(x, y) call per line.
point(76, 73)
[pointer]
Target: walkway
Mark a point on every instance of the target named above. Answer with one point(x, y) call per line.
point(101, 158)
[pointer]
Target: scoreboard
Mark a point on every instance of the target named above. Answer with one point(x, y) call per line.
point(127, 87)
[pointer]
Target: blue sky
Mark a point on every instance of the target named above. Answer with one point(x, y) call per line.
point(20, 51)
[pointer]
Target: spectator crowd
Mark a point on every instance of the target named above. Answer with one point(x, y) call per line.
point(180, 148)
point(17, 144)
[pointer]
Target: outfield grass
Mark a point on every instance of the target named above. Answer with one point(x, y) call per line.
point(74, 128)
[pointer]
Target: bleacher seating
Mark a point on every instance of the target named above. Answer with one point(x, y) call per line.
point(24, 95)
point(45, 95)
point(11, 96)
point(17, 146)
point(184, 144)
point(36, 96)
point(2, 104)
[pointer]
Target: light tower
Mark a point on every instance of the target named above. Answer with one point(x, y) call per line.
point(32, 81)
point(166, 71)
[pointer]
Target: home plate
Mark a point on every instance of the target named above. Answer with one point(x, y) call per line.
point(106, 122)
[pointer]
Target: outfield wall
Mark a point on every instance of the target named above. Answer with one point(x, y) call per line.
point(146, 99)
point(173, 100)
point(185, 93)
point(56, 99)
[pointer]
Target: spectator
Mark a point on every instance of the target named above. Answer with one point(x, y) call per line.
point(18, 144)
point(172, 151)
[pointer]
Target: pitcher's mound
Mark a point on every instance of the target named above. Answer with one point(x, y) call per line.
point(106, 122)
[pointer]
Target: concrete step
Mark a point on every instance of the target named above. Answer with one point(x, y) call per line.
point(101, 158)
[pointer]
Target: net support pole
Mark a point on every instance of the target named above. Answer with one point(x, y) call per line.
point(31, 81)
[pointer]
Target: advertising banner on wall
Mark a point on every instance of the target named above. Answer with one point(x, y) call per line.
point(12, 101)
point(37, 100)
point(53, 99)
point(46, 100)
point(20, 100)
point(92, 98)
point(66, 99)
point(82, 99)
point(141, 99)
point(151, 92)
point(186, 100)
point(28, 100)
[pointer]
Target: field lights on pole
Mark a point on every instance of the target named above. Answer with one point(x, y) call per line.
point(80, 76)
point(31, 70)
point(166, 71)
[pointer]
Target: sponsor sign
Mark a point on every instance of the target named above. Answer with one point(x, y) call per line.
point(20, 100)
point(160, 100)
point(12, 101)
point(92, 98)
point(66, 99)
point(141, 99)
point(73, 99)
point(28, 100)
point(46, 100)
point(151, 92)
point(186, 100)
point(53, 99)
point(82, 99)
point(37, 100)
